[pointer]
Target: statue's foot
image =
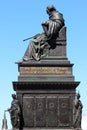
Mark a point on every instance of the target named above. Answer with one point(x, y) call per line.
point(27, 59)
point(22, 60)
point(18, 62)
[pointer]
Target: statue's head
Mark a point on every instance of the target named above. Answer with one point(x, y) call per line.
point(78, 95)
point(13, 96)
point(50, 9)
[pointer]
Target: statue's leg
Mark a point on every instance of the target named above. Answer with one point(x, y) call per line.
point(29, 52)
point(36, 51)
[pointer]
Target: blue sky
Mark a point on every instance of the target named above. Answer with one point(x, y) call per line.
point(22, 19)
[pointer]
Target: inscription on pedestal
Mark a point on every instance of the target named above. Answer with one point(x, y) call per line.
point(45, 70)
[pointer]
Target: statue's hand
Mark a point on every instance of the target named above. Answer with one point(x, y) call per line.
point(8, 109)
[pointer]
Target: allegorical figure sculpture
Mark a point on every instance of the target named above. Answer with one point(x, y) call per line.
point(15, 112)
point(77, 112)
point(40, 43)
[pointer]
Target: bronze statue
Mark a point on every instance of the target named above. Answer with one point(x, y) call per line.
point(15, 112)
point(77, 112)
point(40, 44)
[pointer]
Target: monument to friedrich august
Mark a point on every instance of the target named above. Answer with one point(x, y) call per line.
point(46, 95)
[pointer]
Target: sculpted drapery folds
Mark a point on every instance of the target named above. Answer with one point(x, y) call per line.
point(15, 112)
point(77, 112)
point(39, 45)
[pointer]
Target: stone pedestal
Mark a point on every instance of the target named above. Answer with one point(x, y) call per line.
point(46, 92)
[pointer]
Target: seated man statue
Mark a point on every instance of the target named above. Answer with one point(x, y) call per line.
point(40, 43)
